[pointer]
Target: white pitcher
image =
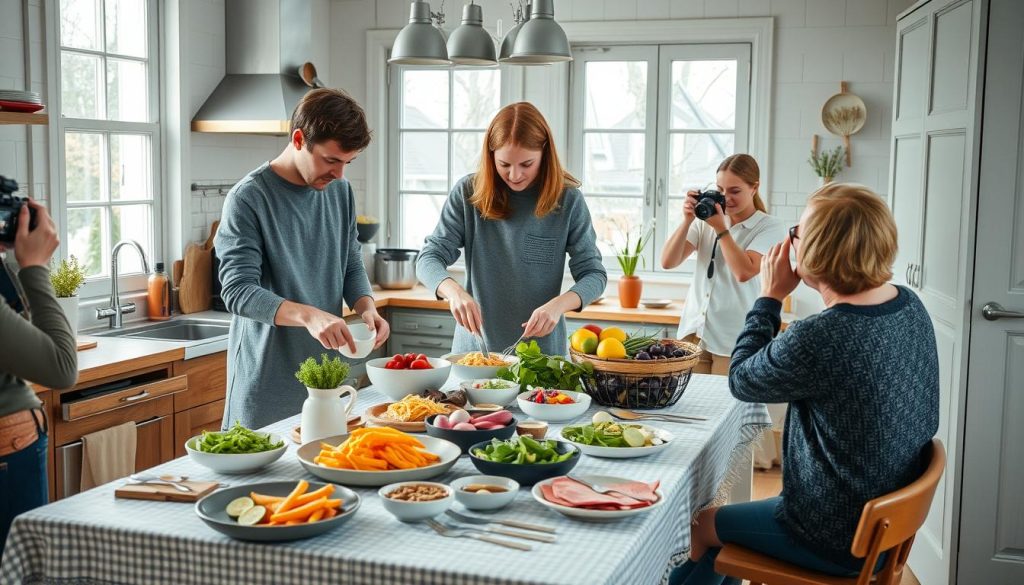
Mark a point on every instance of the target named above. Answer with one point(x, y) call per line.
point(324, 414)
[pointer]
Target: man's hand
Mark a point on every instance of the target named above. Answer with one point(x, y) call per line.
point(34, 248)
point(330, 330)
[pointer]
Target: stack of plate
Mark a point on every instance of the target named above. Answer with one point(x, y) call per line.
point(20, 101)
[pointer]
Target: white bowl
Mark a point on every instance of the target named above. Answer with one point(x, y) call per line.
point(448, 452)
point(235, 462)
point(363, 338)
point(475, 372)
point(624, 452)
point(499, 396)
point(490, 501)
point(396, 384)
point(555, 412)
point(415, 511)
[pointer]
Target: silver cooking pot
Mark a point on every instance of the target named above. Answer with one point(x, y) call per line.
point(395, 268)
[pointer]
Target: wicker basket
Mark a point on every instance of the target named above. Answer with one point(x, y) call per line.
point(630, 383)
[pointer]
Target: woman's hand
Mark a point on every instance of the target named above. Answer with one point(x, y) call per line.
point(466, 311)
point(688, 203)
point(34, 248)
point(330, 330)
point(377, 324)
point(543, 321)
point(717, 221)
point(778, 279)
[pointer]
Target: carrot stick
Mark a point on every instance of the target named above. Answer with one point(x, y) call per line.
point(262, 500)
point(289, 502)
point(300, 513)
point(330, 512)
point(315, 495)
point(317, 515)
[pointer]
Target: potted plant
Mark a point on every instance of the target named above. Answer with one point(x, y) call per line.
point(67, 277)
point(323, 413)
point(630, 285)
point(827, 164)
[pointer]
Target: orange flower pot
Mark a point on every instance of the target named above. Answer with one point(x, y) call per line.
point(630, 289)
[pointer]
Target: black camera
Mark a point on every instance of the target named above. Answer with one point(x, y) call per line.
point(10, 208)
point(705, 206)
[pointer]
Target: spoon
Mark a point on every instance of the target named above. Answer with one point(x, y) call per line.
point(630, 415)
point(307, 71)
point(171, 480)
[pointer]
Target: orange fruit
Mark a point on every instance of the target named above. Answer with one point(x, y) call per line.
point(611, 349)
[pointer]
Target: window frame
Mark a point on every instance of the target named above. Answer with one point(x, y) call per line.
point(60, 125)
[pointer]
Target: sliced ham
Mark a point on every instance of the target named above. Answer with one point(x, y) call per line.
point(566, 492)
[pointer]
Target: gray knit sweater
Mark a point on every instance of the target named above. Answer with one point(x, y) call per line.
point(514, 265)
point(862, 383)
point(278, 241)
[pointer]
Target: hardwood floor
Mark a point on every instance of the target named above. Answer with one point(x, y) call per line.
point(768, 484)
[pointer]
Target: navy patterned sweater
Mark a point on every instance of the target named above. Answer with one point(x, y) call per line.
point(862, 383)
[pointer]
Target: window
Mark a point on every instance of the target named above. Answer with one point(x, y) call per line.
point(437, 120)
point(108, 134)
point(647, 124)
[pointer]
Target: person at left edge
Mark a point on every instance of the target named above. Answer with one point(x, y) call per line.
point(289, 259)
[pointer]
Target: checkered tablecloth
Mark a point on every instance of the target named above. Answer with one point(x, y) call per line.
point(95, 538)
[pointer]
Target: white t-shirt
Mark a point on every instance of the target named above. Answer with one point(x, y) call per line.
point(716, 308)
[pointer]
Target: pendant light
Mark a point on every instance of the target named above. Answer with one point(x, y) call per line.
point(470, 44)
point(519, 17)
point(420, 42)
point(540, 39)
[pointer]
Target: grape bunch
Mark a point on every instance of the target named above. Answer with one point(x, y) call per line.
point(659, 351)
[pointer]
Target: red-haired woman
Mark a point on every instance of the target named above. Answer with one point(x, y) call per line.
point(515, 219)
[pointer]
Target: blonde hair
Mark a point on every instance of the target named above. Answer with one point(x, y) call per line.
point(521, 124)
point(745, 167)
point(848, 241)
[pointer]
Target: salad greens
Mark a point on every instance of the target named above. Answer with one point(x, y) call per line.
point(534, 368)
point(494, 385)
point(523, 450)
point(236, 440)
point(611, 434)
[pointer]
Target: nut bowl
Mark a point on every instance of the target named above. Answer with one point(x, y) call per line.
point(414, 511)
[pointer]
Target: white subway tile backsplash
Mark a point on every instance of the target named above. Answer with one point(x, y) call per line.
point(825, 13)
point(864, 65)
point(721, 8)
point(789, 13)
point(653, 9)
point(619, 9)
point(687, 8)
point(754, 8)
point(866, 12)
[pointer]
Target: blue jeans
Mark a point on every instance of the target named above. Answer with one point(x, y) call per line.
point(753, 525)
point(22, 481)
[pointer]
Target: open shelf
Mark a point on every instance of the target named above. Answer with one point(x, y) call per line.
point(23, 118)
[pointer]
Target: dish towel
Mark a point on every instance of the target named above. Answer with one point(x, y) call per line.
point(108, 455)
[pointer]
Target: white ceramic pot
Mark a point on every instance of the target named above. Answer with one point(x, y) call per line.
point(70, 307)
point(325, 414)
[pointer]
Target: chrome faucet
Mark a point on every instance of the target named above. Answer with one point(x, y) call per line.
point(115, 311)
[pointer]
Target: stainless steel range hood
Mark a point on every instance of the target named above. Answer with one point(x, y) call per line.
point(266, 42)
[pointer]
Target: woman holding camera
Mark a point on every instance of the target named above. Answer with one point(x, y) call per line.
point(36, 344)
point(730, 232)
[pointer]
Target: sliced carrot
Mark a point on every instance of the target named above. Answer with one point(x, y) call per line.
point(263, 500)
point(317, 515)
point(289, 502)
point(331, 512)
point(300, 513)
point(323, 492)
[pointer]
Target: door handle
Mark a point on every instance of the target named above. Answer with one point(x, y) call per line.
point(993, 311)
point(906, 275)
point(138, 396)
point(661, 192)
point(647, 192)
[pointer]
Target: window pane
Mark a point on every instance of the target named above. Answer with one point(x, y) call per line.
point(80, 82)
point(130, 167)
point(85, 239)
point(704, 94)
point(80, 24)
point(131, 222)
point(694, 160)
point(126, 91)
point(126, 27)
point(614, 163)
point(616, 94)
point(425, 161)
point(425, 99)
point(614, 218)
point(476, 97)
point(83, 156)
point(466, 148)
point(420, 213)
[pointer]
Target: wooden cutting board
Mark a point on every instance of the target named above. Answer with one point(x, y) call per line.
point(196, 286)
point(83, 345)
point(166, 493)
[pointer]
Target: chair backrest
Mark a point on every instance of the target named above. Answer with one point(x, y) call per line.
point(889, 520)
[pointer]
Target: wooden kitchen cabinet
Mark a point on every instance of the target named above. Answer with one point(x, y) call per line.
point(194, 421)
point(207, 380)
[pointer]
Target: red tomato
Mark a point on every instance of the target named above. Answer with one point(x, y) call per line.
point(398, 358)
point(420, 365)
point(410, 358)
point(421, 356)
point(393, 365)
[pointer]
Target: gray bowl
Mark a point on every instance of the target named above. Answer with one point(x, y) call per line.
point(211, 510)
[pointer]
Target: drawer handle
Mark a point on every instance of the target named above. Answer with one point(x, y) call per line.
point(138, 396)
point(432, 344)
point(416, 326)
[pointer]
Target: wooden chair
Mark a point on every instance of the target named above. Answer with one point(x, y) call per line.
point(887, 522)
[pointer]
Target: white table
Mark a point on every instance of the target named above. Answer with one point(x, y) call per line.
point(93, 537)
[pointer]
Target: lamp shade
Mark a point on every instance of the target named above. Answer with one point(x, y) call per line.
point(419, 43)
point(540, 39)
point(470, 44)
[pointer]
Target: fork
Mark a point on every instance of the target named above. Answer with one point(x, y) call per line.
point(510, 523)
point(492, 527)
point(604, 490)
point(624, 414)
point(448, 531)
point(508, 350)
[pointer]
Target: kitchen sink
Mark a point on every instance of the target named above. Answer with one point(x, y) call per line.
point(175, 330)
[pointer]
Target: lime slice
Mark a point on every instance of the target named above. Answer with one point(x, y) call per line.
point(601, 417)
point(252, 516)
point(633, 437)
point(238, 506)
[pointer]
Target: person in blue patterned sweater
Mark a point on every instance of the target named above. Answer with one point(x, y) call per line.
point(861, 379)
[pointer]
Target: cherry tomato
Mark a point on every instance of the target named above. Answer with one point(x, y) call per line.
point(420, 365)
point(421, 356)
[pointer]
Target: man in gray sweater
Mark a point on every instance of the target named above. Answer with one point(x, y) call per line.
point(289, 259)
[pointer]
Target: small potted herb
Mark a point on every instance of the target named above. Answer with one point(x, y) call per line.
point(630, 285)
point(827, 164)
point(323, 413)
point(67, 277)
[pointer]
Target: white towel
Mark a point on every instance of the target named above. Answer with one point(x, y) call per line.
point(108, 455)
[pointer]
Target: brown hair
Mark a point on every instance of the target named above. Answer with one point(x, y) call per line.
point(521, 124)
point(331, 114)
point(745, 167)
point(848, 241)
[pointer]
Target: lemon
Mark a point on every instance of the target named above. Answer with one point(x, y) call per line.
point(252, 516)
point(633, 437)
point(238, 506)
point(610, 349)
point(614, 333)
point(579, 336)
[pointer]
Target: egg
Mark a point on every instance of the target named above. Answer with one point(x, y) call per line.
point(601, 417)
point(459, 416)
